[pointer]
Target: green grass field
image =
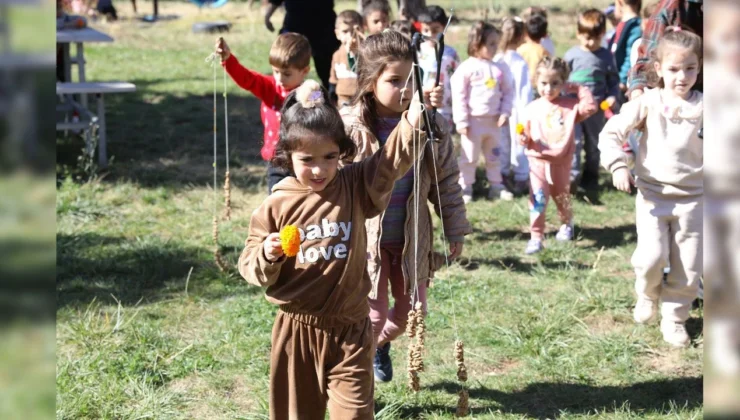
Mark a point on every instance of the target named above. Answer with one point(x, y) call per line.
point(147, 326)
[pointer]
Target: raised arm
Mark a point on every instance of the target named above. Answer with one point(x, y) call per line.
point(261, 86)
point(617, 130)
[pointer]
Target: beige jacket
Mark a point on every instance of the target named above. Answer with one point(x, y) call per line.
point(670, 159)
point(454, 221)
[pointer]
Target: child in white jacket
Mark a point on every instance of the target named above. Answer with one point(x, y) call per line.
point(669, 180)
point(513, 160)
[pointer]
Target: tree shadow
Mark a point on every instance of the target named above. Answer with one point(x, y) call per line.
point(165, 139)
point(92, 266)
point(548, 400)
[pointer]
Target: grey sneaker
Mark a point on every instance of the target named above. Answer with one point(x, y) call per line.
point(534, 246)
point(499, 192)
point(565, 233)
point(645, 310)
point(382, 365)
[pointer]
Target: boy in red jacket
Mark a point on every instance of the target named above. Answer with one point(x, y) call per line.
point(290, 56)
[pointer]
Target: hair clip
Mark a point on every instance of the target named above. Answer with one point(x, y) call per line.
point(315, 95)
point(309, 94)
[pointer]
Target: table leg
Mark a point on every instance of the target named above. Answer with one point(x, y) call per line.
point(81, 69)
point(102, 146)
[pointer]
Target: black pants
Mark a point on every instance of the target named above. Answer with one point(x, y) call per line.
point(587, 139)
point(275, 175)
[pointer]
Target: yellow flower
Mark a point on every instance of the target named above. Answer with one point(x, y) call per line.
point(290, 240)
point(491, 83)
point(604, 105)
point(520, 128)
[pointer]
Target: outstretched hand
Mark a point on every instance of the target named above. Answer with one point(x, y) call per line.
point(222, 49)
point(272, 246)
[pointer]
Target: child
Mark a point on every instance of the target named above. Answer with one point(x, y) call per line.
point(546, 41)
point(433, 22)
point(549, 138)
point(322, 342)
point(628, 32)
point(383, 69)
point(612, 15)
point(593, 66)
point(513, 158)
point(669, 182)
point(404, 27)
point(377, 16)
point(343, 79)
point(290, 56)
point(535, 27)
point(482, 101)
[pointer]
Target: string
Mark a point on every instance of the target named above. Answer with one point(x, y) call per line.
point(226, 123)
point(212, 60)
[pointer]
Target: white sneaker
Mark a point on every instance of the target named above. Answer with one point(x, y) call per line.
point(467, 194)
point(674, 333)
point(565, 233)
point(645, 310)
point(499, 192)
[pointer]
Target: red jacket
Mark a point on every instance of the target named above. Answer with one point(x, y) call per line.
point(267, 90)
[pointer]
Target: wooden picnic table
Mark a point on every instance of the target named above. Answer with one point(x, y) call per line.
point(79, 37)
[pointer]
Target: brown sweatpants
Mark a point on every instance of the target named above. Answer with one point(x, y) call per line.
point(669, 233)
point(313, 361)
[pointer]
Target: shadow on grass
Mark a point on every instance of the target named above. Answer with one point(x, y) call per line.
point(516, 264)
point(91, 266)
point(166, 139)
point(552, 400)
point(608, 236)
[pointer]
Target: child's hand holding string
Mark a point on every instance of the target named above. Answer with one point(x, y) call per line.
point(622, 179)
point(273, 247)
point(433, 97)
point(456, 249)
point(222, 49)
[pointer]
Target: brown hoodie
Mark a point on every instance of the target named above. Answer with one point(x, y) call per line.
point(327, 280)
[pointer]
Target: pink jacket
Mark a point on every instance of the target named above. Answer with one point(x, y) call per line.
point(481, 88)
point(550, 126)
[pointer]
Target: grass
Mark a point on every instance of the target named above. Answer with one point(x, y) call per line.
point(147, 327)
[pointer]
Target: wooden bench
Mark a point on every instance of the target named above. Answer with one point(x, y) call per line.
point(91, 88)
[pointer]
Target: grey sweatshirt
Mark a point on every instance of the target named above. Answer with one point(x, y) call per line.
point(597, 70)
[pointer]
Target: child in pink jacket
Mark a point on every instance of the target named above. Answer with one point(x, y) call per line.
point(482, 99)
point(549, 136)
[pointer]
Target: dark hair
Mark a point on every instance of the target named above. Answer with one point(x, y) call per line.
point(592, 23)
point(290, 50)
point(552, 63)
point(433, 14)
point(512, 32)
point(404, 27)
point(536, 27)
point(375, 53)
point(478, 35)
point(674, 36)
point(376, 6)
point(635, 5)
point(308, 115)
point(351, 18)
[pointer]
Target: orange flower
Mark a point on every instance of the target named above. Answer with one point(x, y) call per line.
point(290, 240)
point(604, 105)
point(520, 128)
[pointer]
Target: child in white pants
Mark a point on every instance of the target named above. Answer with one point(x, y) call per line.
point(669, 180)
point(482, 99)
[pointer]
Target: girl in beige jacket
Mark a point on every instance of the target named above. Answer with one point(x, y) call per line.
point(394, 254)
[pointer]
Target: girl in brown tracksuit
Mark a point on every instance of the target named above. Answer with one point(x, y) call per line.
point(384, 62)
point(322, 342)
